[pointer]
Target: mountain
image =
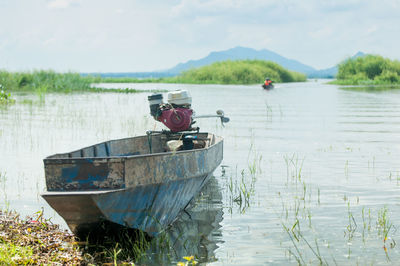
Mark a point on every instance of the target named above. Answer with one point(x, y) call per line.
point(332, 71)
point(242, 53)
point(237, 53)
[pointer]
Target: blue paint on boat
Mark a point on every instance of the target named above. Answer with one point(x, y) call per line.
point(143, 191)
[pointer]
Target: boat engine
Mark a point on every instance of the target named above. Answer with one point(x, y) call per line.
point(176, 114)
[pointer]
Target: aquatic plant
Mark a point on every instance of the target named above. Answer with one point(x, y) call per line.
point(5, 97)
point(240, 190)
point(294, 167)
point(383, 223)
point(189, 260)
point(238, 72)
point(43, 81)
point(368, 70)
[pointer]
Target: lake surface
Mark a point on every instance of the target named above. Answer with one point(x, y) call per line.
point(311, 172)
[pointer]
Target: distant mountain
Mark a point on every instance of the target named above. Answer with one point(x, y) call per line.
point(237, 53)
point(332, 71)
point(242, 53)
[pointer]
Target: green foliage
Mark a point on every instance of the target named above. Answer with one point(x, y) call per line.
point(5, 97)
point(238, 72)
point(44, 81)
point(368, 70)
point(11, 254)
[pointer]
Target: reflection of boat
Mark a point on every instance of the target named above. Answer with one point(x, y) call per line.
point(268, 87)
point(135, 182)
point(196, 231)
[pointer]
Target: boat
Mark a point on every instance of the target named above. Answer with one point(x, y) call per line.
point(268, 87)
point(141, 182)
point(135, 182)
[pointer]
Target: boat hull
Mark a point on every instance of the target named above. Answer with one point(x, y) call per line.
point(148, 208)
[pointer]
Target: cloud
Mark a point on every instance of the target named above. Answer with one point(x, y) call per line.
point(372, 29)
point(62, 4)
point(157, 34)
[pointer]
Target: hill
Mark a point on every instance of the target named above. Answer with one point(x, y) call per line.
point(243, 53)
point(238, 72)
point(332, 71)
point(237, 53)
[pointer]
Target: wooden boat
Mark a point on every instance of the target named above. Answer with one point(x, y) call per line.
point(136, 182)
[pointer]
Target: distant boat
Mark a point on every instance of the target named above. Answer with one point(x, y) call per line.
point(137, 182)
point(268, 87)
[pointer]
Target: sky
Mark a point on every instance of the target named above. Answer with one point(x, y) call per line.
point(152, 35)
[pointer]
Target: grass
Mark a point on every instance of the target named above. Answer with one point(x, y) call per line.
point(42, 82)
point(238, 72)
point(368, 70)
point(35, 241)
point(5, 97)
point(361, 228)
point(225, 72)
point(14, 254)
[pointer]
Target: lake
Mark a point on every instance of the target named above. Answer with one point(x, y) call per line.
point(311, 171)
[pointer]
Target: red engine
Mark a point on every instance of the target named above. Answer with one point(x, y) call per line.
point(177, 119)
point(176, 114)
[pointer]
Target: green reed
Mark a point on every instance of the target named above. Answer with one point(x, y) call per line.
point(297, 221)
point(5, 97)
point(240, 190)
point(294, 167)
point(44, 81)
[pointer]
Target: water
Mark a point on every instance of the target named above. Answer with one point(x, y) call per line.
point(317, 160)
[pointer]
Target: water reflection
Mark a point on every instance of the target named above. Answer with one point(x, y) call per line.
point(371, 88)
point(197, 231)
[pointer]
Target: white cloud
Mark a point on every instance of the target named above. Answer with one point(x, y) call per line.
point(372, 29)
point(61, 4)
point(132, 35)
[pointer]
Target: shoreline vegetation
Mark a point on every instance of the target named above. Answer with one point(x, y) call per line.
point(368, 70)
point(241, 72)
point(37, 241)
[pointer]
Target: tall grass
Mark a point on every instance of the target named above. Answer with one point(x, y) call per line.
point(238, 72)
point(44, 81)
point(368, 70)
point(225, 72)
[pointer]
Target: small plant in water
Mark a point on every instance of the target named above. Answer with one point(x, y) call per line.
point(383, 223)
point(5, 98)
point(189, 260)
point(240, 193)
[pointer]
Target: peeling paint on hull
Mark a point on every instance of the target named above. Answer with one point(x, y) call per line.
point(142, 191)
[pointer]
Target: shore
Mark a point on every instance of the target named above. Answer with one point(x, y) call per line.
point(35, 240)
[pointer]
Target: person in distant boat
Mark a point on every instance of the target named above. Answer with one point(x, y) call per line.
point(268, 82)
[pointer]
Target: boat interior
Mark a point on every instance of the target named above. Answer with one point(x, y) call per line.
point(142, 145)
